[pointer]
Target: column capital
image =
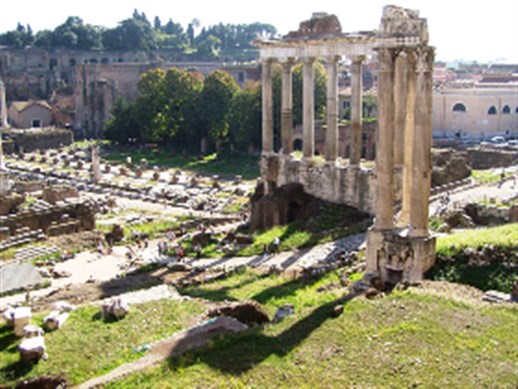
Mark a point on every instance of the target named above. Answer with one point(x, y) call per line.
point(332, 59)
point(358, 59)
point(386, 58)
point(425, 59)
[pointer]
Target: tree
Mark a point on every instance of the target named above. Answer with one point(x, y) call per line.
point(123, 125)
point(218, 90)
point(245, 116)
point(157, 24)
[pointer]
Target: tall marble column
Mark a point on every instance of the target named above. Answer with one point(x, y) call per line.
point(332, 110)
point(308, 108)
point(287, 107)
point(400, 96)
point(409, 134)
point(384, 207)
point(356, 110)
point(267, 106)
point(3, 106)
point(422, 162)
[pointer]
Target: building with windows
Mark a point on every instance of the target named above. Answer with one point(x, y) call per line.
point(30, 114)
point(477, 111)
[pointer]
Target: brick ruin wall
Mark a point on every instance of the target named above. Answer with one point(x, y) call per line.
point(41, 139)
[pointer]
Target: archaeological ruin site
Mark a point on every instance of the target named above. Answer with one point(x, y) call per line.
point(353, 248)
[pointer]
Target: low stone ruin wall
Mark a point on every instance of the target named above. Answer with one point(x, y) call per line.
point(352, 186)
point(487, 159)
point(54, 220)
point(42, 139)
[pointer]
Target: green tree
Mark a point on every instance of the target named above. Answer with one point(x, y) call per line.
point(123, 124)
point(75, 34)
point(218, 90)
point(245, 117)
point(151, 105)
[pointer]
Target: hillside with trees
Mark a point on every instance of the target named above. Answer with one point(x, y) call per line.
point(138, 33)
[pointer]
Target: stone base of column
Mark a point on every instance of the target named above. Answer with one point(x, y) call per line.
point(396, 257)
point(5, 185)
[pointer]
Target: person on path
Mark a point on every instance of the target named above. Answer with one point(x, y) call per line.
point(276, 244)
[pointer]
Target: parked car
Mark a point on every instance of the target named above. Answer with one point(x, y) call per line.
point(497, 140)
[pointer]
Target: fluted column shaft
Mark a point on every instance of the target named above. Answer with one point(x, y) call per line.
point(287, 108)
point(384, 207)
point(356, 110)
point(308, 108)
point(400, 101)
point(422, 161)
point(331, 152)
point(267, 101)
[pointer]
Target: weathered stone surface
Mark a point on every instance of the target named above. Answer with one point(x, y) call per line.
point(449, 166)
point(248, 312)
point(21, 317)
point(32, 349)
point(31, 331)
point(9, 202)
point(487, 159)
point(57, 193)
point(16, 276)
point(459, 219)
point(338, 310)
point(55, 320)
point(319, 24)
point(116, 234)
point(283, 312)
point(117, 308)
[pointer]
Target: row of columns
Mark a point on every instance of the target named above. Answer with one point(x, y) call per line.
point(308, 108)
point(404, 136)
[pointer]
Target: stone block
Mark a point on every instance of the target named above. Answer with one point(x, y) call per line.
point(32, 349)
point(32, 331)
point(55, 320)
point(21, 317)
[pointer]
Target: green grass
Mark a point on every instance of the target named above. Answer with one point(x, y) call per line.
point(402, 340)
point(504, 236)
point(86, 346)
point(485, 176)
point(225, 166)
point(293, 237)
point(498, 268)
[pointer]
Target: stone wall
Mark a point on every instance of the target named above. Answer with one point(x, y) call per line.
point(42, 139)
point(487, 159)
point(78, 216)
point(348, 185)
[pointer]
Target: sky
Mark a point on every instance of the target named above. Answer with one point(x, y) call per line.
point(482, 31)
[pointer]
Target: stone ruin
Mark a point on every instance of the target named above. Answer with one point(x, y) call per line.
point(399, 250)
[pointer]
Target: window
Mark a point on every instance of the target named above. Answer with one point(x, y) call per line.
point(346, 104)
point(36, 123)
point(516, 110)
point(459, 107)
point(241, 77)
point(506, 109)
point(491, 110)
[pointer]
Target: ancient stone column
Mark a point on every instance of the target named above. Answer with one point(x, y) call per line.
point(384, 208)
point(287, 107)
point(267, 106)
point(422, 161)
point(356, 111)
point(400, 95)
point(308, 108)
point(3, 106)
point(332, 110)
point(408, 147)
point(96, 165)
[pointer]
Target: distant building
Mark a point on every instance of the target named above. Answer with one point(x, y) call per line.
point(30, 114)
point(477, 111)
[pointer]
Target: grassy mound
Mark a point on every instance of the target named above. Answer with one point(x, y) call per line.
point(403, 340)
point(484, 258)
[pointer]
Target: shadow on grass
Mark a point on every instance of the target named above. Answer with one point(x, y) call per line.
point(238, 354)
point(7, 338)
point(15, 370)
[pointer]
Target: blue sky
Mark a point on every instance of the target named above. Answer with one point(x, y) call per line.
point(460, 29)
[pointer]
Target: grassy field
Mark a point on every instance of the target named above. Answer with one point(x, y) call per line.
point(403, 340)
point(223, 165)
point(485, 176)
point(87, 346)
